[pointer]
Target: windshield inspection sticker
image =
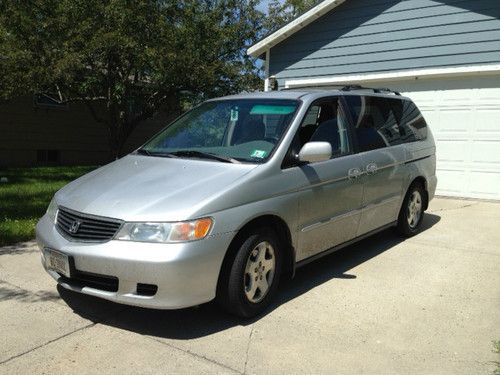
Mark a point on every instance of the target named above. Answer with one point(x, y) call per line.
point(234, 114)
point(258, 154)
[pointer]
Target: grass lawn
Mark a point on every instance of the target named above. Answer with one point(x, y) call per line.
point(25, 197)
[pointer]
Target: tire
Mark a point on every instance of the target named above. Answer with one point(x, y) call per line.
point(412, 211)
point(242, 290)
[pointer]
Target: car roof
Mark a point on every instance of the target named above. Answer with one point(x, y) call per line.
point(309, 94)
point(285, 94)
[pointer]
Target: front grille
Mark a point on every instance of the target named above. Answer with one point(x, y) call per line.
point(83, 227)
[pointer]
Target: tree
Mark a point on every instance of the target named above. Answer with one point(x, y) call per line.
point(281, 12)
point(127, 59)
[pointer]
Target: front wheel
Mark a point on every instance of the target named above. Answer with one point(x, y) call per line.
point(412, 211)
point(252, 279)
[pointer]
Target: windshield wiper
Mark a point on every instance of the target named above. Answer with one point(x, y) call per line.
point(203, 155)
point(142, 151)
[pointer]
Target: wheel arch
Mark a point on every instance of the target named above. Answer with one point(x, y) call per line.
point(268, 221)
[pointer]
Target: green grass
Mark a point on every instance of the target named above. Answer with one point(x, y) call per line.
point(25, 197)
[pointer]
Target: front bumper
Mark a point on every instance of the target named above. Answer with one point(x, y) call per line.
point(186, 274)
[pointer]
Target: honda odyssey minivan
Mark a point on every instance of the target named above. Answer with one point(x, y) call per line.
point(237, 193)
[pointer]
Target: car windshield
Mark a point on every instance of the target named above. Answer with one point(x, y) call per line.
point(235, 130)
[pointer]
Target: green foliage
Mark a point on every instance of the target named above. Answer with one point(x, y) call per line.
point(127, 59)
point(25, 197)
point(282, 12)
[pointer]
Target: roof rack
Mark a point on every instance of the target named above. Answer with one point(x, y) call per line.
point(316, 88)
point(378, 90)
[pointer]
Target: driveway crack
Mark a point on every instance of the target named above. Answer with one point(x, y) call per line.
point(248, 349)
point(199, 356)
point(47, 343)
point(454, 208)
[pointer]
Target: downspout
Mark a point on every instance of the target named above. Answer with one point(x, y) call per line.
point(266, 70)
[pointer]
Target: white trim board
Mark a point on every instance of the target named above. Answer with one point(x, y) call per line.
point(396, 76)
point(292, 27)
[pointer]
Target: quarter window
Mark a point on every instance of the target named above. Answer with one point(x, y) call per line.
point(412, 125)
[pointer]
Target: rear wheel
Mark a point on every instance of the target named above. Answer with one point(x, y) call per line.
point(252, 279)
point(412, 211)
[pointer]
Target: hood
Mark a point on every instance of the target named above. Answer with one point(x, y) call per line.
point(144, 188)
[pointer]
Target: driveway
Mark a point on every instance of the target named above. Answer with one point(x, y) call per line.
point(430, 304)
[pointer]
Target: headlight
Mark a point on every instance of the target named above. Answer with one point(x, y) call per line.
point(52, 210)
point(165, 232)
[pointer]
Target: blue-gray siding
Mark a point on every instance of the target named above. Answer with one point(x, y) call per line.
point(369, 36)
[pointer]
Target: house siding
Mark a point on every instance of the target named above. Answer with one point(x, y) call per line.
point(25, 129)
point(370, 36)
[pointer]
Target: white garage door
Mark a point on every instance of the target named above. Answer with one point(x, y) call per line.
point(464, 115)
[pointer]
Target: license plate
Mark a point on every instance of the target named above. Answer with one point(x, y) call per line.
point(56, 261)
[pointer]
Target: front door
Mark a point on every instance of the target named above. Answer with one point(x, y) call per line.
point(330, 193)
point(329, 207)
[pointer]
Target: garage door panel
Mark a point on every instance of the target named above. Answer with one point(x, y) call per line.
point(488, 120)
point(455, 97)
point(450, 181)
point(450, 151)
point(464, 116)
point(454, 120)
point(484, 184)
point(486, 152)
point(487, 95)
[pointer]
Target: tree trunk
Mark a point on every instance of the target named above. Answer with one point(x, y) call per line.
point(119, 130)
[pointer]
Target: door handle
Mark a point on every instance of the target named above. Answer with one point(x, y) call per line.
point(371, 168)
point(354, 173)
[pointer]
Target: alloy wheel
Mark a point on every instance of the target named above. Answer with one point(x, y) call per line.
point(259, 272)
point(414, 209)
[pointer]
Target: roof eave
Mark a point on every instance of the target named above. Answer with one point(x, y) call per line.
point(292, 27)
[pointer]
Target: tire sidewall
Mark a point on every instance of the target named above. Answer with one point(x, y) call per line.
point(403, 225)
point(236, 285)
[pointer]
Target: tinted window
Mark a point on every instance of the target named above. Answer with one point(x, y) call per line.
point(241, 129)
point(412, 125)
point(374, 122)
point(326, 122)
point(381, 122)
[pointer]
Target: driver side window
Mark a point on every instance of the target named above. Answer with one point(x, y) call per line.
point(325, 121)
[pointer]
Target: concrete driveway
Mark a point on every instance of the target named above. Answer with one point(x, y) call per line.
point(430, 304)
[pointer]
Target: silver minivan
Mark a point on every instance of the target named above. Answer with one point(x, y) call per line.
point(237, 193)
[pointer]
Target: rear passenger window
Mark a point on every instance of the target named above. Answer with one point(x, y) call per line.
point(381, 122)
point(374, 122)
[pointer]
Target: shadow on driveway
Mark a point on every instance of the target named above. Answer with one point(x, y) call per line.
point(208, 318)
point(19, 248)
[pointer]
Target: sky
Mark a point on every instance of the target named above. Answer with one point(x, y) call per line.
point(264, 5)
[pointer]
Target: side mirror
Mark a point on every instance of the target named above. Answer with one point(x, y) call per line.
point(313, 152)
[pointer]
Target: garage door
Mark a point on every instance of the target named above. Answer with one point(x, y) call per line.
point(464, 115)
